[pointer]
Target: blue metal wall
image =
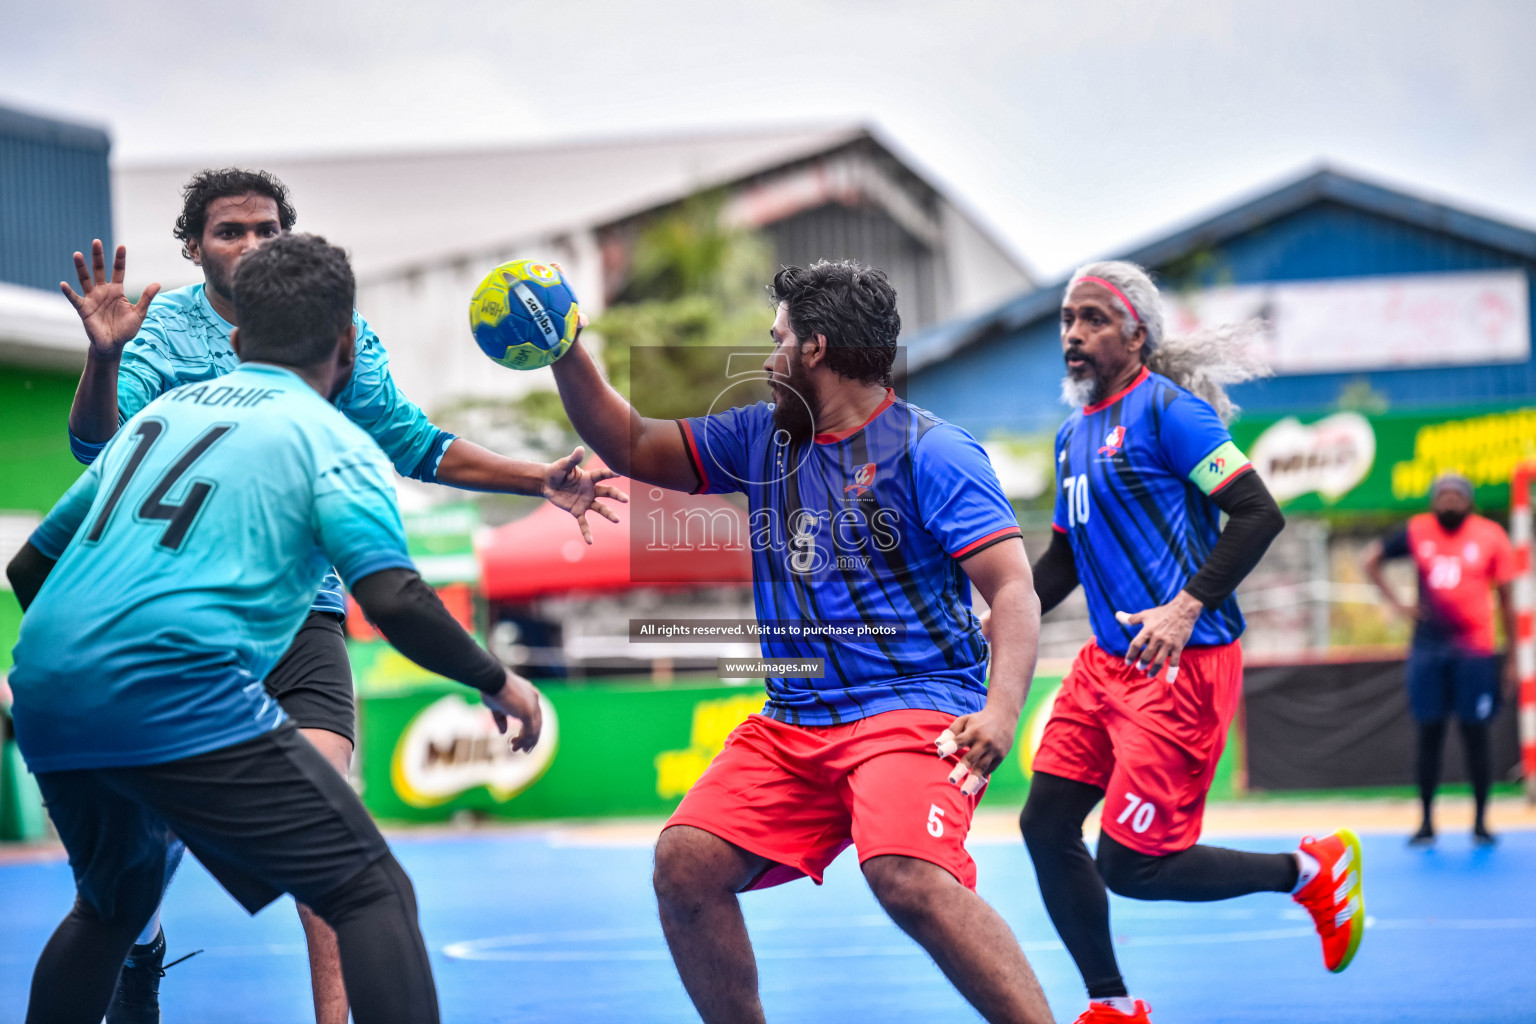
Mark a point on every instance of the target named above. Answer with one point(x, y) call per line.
point(55, 196)
point(1010, 383)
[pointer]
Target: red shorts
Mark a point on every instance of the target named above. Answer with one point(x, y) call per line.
point(1150, 746)
point(799, 795)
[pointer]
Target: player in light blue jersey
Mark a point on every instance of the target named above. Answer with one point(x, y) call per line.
point(138, 352)
point(161, 590)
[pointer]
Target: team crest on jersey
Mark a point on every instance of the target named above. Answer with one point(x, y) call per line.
point(1113, 442)
point(863, 478)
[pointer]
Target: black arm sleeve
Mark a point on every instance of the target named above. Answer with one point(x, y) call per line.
point(1055, 573)
point(412, 618)
point(1255, 520)
point(27, 572)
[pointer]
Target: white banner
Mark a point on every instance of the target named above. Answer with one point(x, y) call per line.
point(1373, 323)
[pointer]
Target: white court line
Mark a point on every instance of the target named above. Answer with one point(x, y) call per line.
point(1455, 924)
point(495, 948)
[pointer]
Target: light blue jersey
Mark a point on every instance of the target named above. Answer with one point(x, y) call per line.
point(184, 340)
point(188, 556)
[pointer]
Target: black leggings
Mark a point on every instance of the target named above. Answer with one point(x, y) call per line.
point(1475, 742)
point(383, 958)
point(1073, 885)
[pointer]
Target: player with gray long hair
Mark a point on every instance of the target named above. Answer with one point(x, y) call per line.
point(1145, 466)
point(1204, 362)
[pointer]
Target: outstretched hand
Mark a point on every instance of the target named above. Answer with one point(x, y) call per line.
point(110, 319)
point(576, 490)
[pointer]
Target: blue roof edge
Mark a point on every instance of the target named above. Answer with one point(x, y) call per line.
point(20, 123)
point(1321, 185)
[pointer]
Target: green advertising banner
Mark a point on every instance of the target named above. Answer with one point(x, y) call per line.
point(441, 543)
point(1386, 462)
point(428, 750)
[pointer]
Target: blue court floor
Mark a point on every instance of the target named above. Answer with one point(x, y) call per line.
point(560, 926)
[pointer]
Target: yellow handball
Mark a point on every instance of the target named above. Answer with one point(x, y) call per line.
point(524, 314)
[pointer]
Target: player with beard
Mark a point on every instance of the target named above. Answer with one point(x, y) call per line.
point(874, 509)
point(139, 351)
point(1145, 466)
point(1453, 662)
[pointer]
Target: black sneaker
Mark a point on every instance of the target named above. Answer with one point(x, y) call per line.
point(1481, 836)
point(137, 997)
point(1425, 836)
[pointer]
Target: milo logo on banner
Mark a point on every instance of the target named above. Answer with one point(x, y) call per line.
point(452, 746)
point(1330, 457)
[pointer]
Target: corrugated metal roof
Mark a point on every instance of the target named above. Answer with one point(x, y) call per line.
point(55, 196)
point(1324, 185)
point(20, 124)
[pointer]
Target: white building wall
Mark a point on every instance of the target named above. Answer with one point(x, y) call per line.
point(423, 320)
point(423, 229)
point(977, 273)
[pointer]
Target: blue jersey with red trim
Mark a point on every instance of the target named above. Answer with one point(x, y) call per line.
point(1134, 476)
point(869, 525)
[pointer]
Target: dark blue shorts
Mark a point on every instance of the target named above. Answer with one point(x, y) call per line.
point(1446, 680)
point(313, 679)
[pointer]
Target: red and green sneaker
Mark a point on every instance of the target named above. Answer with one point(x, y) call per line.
point(1334, 898)
point(1103, 1013)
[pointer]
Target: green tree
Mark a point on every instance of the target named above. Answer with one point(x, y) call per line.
point(696, 282)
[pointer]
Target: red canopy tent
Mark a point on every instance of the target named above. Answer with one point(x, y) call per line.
point(543, 553)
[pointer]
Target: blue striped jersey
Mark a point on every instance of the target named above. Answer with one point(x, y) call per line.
point(188, 555)
point(867, 525)
point(183, 340)
point(1134, 475)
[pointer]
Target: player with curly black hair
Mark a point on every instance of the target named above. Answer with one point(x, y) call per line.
point(869, 509)
point(139, 351)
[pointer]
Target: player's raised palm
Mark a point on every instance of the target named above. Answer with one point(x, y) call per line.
point(110, 319)
point(576, 490)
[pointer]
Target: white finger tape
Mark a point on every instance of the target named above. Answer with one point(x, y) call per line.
point(946, 743)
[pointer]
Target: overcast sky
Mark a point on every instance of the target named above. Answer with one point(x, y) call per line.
point(1074, 127)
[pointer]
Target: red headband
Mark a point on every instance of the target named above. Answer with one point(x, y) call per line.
point(1118, 294)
